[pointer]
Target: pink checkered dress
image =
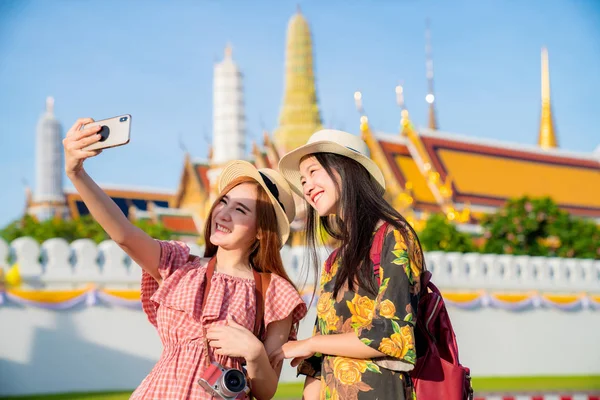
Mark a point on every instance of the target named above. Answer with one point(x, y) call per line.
point(175, 309)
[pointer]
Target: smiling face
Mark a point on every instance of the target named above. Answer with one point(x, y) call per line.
point(233, 219)
point(319, 189)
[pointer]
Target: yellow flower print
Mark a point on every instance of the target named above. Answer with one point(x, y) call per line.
point(392, 346)
point(400, 243)
point(407, 336)
point(335, 395)
point(323, 393)
point(415, 270)
point(361, 308)
point(324, 304)
point(387, 309)
point(349, 371)
point(331, 320)
point(326, 277)
point(399, 344)
point(326, 313)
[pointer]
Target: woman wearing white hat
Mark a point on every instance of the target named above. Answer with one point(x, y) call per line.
point(209, 309)
point(363, 344)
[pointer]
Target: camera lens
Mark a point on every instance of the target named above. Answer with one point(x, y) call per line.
point(234, 381)
point(123, 119)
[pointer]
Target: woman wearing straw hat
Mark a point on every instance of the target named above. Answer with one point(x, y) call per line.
point(363, 344)
point(247, 226)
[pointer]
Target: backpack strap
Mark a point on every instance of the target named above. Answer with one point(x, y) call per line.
point(330, 259)
point(376, 248)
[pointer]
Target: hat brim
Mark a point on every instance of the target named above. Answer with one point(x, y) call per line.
point(289, 165)
point(237, 169)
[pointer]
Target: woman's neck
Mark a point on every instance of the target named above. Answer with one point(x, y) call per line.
point(233, 262)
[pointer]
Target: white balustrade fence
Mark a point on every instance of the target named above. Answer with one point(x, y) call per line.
point(103, 346)
point(58, 264)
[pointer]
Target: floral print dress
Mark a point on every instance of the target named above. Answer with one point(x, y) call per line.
point(384, 322)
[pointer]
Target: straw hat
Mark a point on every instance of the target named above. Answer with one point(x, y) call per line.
point(329, 141)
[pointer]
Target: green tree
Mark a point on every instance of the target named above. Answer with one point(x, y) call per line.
point(441, 235)
point(157, 231)
point(70, 230)
point(538, 227)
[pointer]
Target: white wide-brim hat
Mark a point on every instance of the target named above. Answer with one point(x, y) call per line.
point(277, 188)
point(329, 141)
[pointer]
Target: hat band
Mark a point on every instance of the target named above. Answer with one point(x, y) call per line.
point(272, 188)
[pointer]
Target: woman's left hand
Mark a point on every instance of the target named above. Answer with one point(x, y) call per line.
point(296, 350)
point(234, 340)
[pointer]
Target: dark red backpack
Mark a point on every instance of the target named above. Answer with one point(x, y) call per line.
point(437, 373)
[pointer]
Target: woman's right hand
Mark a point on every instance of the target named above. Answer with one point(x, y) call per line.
point(74, 143)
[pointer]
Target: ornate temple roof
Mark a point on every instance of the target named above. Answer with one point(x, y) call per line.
point(485, 173)
point(181, 222)
point(124, 197)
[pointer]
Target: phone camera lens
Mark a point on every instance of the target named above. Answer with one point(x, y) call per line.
point(123, 119)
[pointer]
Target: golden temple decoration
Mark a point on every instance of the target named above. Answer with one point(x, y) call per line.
point(299, 116)
point(430, 98)
point(547, 136)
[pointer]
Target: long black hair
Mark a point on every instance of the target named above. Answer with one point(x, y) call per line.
point(361, 207)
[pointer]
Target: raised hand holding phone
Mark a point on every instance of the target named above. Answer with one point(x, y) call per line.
point(113, 132)
point(76, 141)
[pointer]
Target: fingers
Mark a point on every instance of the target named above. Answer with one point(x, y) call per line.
point(86, 141)
point(84, 133)
point(296, 361)
point(214, 332)
point(78, 124)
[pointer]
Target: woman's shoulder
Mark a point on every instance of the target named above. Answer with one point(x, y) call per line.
point(279, 285)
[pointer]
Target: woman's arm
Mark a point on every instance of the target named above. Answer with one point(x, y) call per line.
point(263, 377)
point(234, 340)
point(343, 344)
point(312, 389)
point(144, 250)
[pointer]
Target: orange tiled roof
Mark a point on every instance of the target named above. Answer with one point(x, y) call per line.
point(180, 224)
point(486, 173)
point(201, 170)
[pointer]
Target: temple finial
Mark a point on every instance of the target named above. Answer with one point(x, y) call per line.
point(547, 137)
point(50, 105)
point(364, 120)
point(298, 9)
point(430, 98)
point(400, 96)
point(228, 50)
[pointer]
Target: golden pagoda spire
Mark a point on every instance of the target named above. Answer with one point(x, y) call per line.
point(430, 98)
point(547, 137)
point(299, 116)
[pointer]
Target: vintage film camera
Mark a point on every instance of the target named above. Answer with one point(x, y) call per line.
point(228, 384)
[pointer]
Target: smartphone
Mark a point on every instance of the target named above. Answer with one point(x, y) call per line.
point(115, 132)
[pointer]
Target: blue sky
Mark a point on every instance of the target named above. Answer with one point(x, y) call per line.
point(154, 59)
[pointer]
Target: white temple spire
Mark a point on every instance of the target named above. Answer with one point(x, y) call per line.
point(229, 122)
point(48, 198)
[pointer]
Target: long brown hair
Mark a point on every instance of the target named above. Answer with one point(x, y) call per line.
point(265, 256)
point(362, 207)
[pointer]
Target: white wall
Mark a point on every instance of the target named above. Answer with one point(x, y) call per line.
point(105, 347)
